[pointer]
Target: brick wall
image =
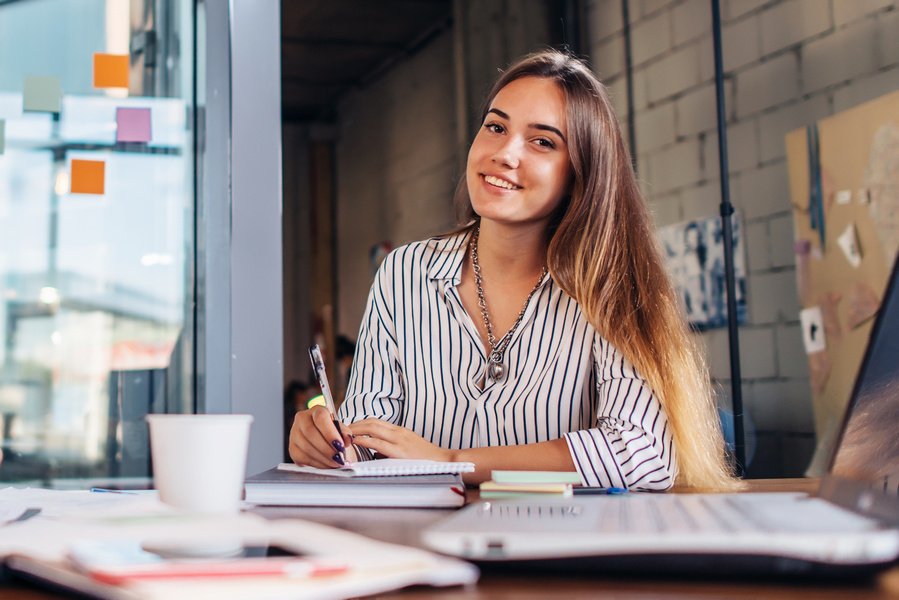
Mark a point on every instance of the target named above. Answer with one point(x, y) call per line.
point(787, 64)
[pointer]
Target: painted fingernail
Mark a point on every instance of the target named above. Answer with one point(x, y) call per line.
point(338, 459)
point(338, 445)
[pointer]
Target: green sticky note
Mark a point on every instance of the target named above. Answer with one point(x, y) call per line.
point(535, 477)
point(2, 135)
point(42, 94)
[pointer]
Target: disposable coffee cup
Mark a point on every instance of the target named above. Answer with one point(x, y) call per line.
point(199, 460)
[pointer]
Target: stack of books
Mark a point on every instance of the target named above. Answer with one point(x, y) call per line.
point(511, 484)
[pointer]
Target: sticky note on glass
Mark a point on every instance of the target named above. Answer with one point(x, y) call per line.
point(848, 243)
point(132, 124)
point(812, 329)
point(42, 94)
point(110, 70)
point(88, 176)
point(2, 135)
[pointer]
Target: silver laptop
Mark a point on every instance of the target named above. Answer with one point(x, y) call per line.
point(850, 527)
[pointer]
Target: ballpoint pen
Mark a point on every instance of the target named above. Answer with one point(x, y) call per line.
point(318, 365)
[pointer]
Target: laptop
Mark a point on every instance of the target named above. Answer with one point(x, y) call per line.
point(850, 527)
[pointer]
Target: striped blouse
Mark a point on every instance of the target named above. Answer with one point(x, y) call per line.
point(420, 364)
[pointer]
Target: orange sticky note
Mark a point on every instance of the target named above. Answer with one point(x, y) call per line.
point(88, 176)
point(110, 70)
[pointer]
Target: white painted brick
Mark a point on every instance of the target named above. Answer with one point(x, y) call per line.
point(757, 353)
point(651, 37)
point(701, 201)
point(692, 19)
point(697, 110)
point(736, 8)
point(774, 126)
point(641, 88)
point(717, 353)
point(655, 127)
point(846, 54)
point(792, 361)
point(772, 297)
point(666, 209)
point(764, 191)
point(608, 57)
point(758, 254)
point(676, 72)
point(863, 90)
point(741, 43)
point(782, 236)
point(846, 11)
point(675, 166)
point(766, 85)
point(888, 39)
point(780, 406)
point(706, 50)
point(604, 18)
point(617, 89)
point(648, 7)
point(793, 21)
point(742, 145)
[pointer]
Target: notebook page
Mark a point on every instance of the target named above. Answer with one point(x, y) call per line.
point(386, 467)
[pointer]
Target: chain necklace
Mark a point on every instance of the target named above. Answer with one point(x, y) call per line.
point(496, 370)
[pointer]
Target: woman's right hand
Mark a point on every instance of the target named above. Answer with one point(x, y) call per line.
point(316, 442)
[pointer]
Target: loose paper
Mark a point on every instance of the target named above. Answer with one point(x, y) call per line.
point(848, 243)
point(133, 124)
point(110, 70)
point(843, 197)
point(863, 304)
point(42, 94)
point(88, 176)
point(2, 135)
point(812, 329)
point(829, 302)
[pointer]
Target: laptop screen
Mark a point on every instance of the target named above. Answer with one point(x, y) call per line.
point(869, 447)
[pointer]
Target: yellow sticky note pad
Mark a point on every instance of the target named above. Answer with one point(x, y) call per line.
point(110, 70)
point(88, 176)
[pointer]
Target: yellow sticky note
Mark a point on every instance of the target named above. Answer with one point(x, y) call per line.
point(88, 176)
point(110, 70)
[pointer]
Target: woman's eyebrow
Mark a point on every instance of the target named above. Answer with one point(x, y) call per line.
point(540, 126)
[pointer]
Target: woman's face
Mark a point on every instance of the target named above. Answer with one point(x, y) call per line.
point(518, 168)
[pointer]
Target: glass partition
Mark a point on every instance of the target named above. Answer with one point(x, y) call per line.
point(97, 179)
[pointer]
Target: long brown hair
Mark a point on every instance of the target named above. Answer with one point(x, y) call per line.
point(602, 252)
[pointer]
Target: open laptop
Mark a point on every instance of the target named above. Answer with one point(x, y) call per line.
point(850, 527)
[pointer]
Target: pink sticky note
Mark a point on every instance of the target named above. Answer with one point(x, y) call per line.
point(132, 124)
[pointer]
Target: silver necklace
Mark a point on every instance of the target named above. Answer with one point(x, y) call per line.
point(495, 369)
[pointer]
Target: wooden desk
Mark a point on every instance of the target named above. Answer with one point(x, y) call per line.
point(402, 526)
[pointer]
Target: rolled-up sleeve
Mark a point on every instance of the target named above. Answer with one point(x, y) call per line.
point(375, 388)
point(630, 445)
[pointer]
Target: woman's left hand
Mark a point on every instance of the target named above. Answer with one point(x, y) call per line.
point(394, 441)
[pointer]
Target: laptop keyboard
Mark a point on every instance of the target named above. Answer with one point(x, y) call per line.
point(670, 513)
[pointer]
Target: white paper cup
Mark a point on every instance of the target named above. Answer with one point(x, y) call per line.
point(199, 460)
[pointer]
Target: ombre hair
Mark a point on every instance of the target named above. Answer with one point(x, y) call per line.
point(602, 251)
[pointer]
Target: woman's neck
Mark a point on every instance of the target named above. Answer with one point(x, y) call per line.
point(510, 253)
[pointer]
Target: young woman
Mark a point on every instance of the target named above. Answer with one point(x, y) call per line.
point(544, 333)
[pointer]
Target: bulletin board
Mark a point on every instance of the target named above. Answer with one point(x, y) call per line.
point(844, 189)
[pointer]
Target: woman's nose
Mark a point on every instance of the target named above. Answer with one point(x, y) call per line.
point(508, 154)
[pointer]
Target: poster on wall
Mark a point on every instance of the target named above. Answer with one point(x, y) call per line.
point(694, 256)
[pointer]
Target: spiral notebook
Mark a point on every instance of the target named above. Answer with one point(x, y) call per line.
point(385, 467)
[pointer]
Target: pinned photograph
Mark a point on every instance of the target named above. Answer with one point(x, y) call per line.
point(812, 329)
point(848, 243)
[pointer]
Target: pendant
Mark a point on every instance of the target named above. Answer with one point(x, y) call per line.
point(496, 369)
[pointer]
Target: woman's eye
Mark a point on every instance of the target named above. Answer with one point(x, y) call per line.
point(545, 143)
point(494, 127)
